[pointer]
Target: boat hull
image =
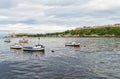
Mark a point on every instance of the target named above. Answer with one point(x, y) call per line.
point(15, 47)
point(7, 41)
point(22, 41)
point(73, 45)
point(33, 49)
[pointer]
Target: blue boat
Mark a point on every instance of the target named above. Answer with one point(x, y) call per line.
point(38, 47)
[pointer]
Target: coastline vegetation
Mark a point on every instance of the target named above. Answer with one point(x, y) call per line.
point(104, 31)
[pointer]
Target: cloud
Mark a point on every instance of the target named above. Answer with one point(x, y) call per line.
point(23, 28)
point(5, 4)
point(62, 2)
point(56, 15)
point(102, 4)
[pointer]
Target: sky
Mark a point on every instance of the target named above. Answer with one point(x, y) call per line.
point(46, 16)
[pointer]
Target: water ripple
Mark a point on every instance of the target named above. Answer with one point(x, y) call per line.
point(96, 58)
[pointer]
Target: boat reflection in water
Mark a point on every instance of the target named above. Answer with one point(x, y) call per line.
point(35, 53)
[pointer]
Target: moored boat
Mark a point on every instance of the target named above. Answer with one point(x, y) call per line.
point(38, 47)
point(7, 40)
point(16, 46)
point(23, 40)
point(73, 44)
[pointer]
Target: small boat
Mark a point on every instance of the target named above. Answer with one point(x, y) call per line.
point(23, 40)
point(16, 46)
point(73, 44)
point(38, 47)
point(7, 40)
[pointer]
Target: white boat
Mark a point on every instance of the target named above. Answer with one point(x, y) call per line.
point(7, 40)
point(73, 44)
point(16, 46)
point(38, 47)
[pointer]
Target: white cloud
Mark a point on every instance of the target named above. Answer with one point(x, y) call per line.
point(3, 17)
point(56, 15)
point(23, 28)
point(102, 4)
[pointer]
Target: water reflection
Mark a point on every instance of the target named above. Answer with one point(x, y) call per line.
point(36, 54)
point(25, 55)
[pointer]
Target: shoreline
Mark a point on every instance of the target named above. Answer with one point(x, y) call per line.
point(100, 36)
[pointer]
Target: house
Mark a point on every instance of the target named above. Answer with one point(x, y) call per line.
point(118, 24)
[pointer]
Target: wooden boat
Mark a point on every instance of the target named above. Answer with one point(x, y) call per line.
point(23, 40)
point(7, 40)
point(16, 46)
point(38, 47)
point(73, 44)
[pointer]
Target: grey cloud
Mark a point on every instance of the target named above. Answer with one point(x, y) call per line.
point(78, 12)
point(63, 2)
point(28, 21)
point(6, 4)
point(56, 12)
point(58, 2)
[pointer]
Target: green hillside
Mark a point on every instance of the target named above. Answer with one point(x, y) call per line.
point(85, 31)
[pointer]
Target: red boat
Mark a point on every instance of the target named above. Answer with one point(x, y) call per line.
point(23, 41)
point(73, 44)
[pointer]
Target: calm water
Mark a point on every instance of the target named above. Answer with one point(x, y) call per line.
point(97, 58)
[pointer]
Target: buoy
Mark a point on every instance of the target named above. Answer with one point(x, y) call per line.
point(52, 51)
point(84, 45)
